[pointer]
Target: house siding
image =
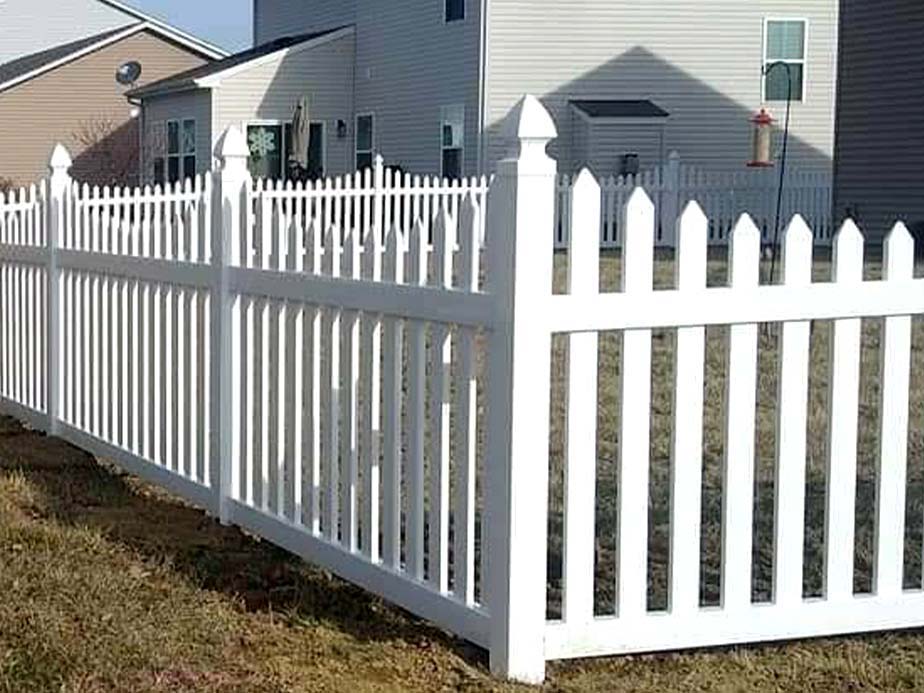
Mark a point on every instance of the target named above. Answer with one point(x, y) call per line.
point(880, 142)
point(701, 61)
point(600, 145)
point(271, 91)
point(273, 19)
point(31, 26)
point(190, 104)
point(409, 63)
point(58, 105)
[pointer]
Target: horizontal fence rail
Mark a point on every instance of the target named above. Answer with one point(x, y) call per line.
point(552, 455)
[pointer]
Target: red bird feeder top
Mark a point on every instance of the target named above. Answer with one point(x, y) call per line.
point(761, 156)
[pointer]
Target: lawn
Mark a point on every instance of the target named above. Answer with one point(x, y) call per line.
point(110, 584)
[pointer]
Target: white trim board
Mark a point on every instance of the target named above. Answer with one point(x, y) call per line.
point(215, 80)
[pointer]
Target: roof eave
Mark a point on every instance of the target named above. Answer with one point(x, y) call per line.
point(215, 80)
point(205, 47)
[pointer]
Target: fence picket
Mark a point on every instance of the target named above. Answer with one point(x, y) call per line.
point(843, 413)
point(440, 402)
point(581, 432)
point(349, 453)
point(740, 407)
point(416, 393)
point(792, 413)
point(392, 401)
point(632, 540)
point(687, 439)
point(470, 236)
point(895, 382)
point(330, 348)
point(371, 398)
point(311, 421)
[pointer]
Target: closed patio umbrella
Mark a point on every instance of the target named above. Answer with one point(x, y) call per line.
point(301, 132)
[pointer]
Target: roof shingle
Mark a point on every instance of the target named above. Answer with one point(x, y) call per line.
point(187, 79)
point(16, 69)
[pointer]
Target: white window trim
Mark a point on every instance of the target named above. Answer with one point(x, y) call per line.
point(804, 62)
point(446, 19)
point(356, 149)
point(257, 122)
point(181, 155)
point(443, 148)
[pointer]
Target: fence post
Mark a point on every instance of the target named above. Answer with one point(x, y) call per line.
point(670, 202)
point(59, 184)
point(521, 213)
point(229, 210)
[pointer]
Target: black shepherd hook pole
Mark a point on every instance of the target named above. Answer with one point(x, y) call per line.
point(779, 193)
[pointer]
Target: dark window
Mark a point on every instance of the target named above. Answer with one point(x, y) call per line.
point(159, 170)
point(455, 10)
point(452, 163)
point(316, 151)
point(173, 169)
point(365, 141)
point(181, 150)
point(271, 148)
point(452, 133)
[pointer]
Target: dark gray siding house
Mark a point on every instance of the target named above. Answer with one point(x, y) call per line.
point(880, 122)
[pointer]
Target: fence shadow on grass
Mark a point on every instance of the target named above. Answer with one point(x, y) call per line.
point(75, 490)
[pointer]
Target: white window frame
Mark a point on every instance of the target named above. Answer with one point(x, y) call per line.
point(356, 150)
point(181, 155)
point(443, 148)
point(447, 20)
point(765, 61)
point(271, 122)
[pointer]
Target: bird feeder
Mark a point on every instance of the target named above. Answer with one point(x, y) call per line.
point(763, 131)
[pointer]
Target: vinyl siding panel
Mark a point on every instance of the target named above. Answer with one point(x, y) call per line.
point(880, 144)
point(273, 19)
point(701, 61)
point(190, 104)
point(30, 26)
point(81, 95)
point(271, 92)
point(410, 63)
point(606, 143)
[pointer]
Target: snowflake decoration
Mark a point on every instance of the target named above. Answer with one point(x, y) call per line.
point(262, 143)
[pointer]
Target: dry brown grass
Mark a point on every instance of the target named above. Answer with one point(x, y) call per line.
point(111, 585)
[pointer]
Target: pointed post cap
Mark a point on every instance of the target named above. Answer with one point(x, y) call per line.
point(529, 127)
point(60, 159)
point(232, 144)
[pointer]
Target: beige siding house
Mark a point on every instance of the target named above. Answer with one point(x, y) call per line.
point(69, 94)
point(880, 141)
point(432, 80)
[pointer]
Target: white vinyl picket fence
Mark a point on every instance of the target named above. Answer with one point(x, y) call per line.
point(723, 195)
point(374, 400)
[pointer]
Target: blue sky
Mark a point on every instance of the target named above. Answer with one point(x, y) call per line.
point(225, 22)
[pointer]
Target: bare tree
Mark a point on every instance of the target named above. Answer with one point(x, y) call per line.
point(109, 153)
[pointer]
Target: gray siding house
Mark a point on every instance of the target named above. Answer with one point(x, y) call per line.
point(880, 141)
point(426, 83)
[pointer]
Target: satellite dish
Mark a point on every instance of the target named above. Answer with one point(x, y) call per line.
point(128, 73)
